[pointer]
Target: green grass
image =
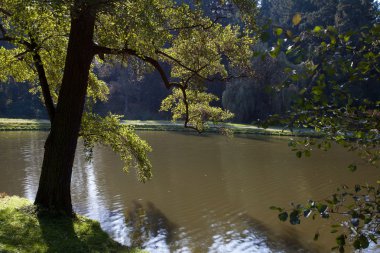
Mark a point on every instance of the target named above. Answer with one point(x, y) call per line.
point(23, 124)
point(22, 229)
point(159, 125)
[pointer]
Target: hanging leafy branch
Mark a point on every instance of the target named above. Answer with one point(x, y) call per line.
point(333, 100)
point(121, 138)
point(334, 103)
point(355, 214)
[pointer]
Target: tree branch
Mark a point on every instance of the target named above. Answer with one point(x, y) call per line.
point(181, 64)
point(158, 67)
point(196, 25)
point(105, 50)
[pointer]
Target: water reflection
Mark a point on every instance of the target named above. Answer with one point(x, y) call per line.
point(32, 153)
point(150, 228)
point(211, 194)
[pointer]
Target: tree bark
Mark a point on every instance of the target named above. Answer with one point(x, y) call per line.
point(55, 180)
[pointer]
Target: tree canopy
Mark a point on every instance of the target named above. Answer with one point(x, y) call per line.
point(56, 45)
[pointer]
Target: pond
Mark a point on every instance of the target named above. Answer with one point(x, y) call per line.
point(209, 193)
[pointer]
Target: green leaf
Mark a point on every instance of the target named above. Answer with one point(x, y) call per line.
point(299, 154)
point(296, 20)
point(278, 31)
point(352, 167)
point(294, 217)
point(341, 240)
point(283, 216)
point(321, 208)
point(317, 29)
point(276, 208)
point(361, 242)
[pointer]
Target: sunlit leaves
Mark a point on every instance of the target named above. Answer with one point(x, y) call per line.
point(199, 110)
point(34, 27)
point(297, 18)
point(120, 138)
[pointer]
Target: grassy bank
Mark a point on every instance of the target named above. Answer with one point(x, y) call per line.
point(23, 124)
point(156, 125)
point(23, 230)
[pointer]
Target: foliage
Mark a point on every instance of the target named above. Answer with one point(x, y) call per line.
point(121, 138)
point(355, 213)
point(23, 230)
point(339, 100)
point(198, 110)
point(160, 35)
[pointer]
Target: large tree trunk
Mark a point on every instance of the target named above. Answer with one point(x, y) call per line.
point(54, 186)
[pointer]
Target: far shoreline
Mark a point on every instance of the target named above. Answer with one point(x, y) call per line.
point(9, 124)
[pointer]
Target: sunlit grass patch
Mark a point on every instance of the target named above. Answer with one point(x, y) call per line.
point(7, 124)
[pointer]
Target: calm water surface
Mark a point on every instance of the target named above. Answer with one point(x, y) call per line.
point(208, 194)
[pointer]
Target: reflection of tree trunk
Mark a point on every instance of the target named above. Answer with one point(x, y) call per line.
point(54, 187)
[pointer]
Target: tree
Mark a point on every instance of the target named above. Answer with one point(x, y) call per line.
point(56, 44)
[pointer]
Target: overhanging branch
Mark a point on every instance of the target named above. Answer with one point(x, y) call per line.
point(203, 26)
point(159, 68)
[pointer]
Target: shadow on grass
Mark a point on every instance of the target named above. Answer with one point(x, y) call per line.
point(59, 234)
point(78, 234)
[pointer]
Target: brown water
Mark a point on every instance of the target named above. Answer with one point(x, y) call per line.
point(208, 194)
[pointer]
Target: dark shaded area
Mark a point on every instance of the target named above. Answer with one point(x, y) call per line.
point(54, 238)
point(132, 94)
point(17, 102)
